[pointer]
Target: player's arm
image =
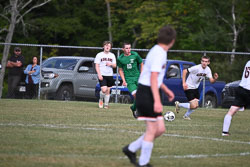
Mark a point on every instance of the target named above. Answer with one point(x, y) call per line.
point(141, 67)
point(168, 92)
point(122, 76)
point(184, 75)
point(97, 68)
point(155, 91)
point(213, 79)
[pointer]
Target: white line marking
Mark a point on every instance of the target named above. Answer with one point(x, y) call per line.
point(86, 127)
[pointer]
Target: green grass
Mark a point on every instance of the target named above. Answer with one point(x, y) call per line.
point(64, 134)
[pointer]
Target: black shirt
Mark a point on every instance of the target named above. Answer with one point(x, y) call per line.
point(16, 70)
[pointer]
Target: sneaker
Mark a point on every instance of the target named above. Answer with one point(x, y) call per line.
point(186, 117)
point(147, 165)
point(131, 156)
point(106, 106)
point(135, 113)
point(225, 134)
point(177, 108)
point(100, 103)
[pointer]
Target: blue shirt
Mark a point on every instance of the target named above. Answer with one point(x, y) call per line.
point(35, 76)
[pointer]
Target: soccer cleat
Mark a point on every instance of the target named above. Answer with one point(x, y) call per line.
point(131, 156)
point(186, 117)
point(147, 165)
point(100, 103)
point(177, 108)
point(225, 134)
point(106, 106)
point(134, 112)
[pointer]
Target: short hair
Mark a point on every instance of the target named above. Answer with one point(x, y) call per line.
point(205, 57)
point(107, 42)
point(166, 35)
point(125, 43)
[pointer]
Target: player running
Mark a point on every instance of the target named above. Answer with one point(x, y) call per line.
point(128, 63)
point(190, 86)
point(242, 99)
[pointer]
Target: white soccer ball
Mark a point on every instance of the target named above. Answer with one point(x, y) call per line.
point(169, 116)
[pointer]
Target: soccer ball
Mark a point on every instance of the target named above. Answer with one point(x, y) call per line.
point(169, 116)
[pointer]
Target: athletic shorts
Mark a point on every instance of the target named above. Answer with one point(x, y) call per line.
point(107, 81)
point(132, 84)
point(192, 94)
point(145, 104)
point(242, 97)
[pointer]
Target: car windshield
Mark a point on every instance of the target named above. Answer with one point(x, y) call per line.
point(60, 63)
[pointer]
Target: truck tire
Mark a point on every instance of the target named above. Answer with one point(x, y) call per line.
point(210, 102)
point(65, 92)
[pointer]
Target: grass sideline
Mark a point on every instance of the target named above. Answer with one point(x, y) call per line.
point(64, 134)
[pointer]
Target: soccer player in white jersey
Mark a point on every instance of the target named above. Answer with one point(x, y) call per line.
point(242, 99)
point(148, 102)
point(104, 63)
point(190, 86)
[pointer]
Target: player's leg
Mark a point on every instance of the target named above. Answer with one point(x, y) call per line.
point(103, 85)
point(110, 83)
point(227, 120)
point(132, 87)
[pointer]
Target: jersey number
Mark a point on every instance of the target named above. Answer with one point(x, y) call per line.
point(129, 66)
point(247, 72)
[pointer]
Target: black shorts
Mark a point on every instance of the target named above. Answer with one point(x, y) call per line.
point(242, 97)
point(192, 94)
point(145, 104)
point(107, 81)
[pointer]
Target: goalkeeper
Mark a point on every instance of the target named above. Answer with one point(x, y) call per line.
point(128, 64)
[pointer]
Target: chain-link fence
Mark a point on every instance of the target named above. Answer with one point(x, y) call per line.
point(68, 72)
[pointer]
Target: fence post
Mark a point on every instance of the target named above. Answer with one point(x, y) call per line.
point(41, 61)
point(117, 79)
point(204, 87)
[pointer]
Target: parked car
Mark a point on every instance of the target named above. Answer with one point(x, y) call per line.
point(228, 93)
point(173, 80)
point(67, 78)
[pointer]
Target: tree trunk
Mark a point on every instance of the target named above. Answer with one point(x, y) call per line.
point(235, 32)
point(8, 39)
point(109, 20)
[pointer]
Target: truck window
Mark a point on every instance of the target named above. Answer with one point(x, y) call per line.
point(186, 66)
point(90, 65)
point(174, 71)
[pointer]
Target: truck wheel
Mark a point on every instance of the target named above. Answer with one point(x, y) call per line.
point(65, 92)
point(210, 101)
point(126, 99)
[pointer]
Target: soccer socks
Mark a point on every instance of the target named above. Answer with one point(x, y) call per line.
point(184, 105)
point(106, 100)
point(227, 122)
point(133, 107)
point(136, 145)
point(102, 95)
point(146, 151)
point(189, 111)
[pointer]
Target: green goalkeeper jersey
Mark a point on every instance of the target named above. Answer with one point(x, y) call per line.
point(130, 64)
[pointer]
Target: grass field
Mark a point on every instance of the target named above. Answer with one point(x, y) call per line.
point(64, 134)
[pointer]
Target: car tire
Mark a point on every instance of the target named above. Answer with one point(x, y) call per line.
point(210, 102)
point(65, 93)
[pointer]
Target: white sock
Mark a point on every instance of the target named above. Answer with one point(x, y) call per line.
point(102, 95)
point(184, 105)
point(189, 111)
point(227, 122)
point(146, 151)
point(107, 100)
point(136, 145)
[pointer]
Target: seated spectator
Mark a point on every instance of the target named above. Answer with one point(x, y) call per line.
point(32, 78)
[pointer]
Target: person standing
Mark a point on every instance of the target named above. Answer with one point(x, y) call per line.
point(148, 101)
point(15, 65)
point(190, 86)
point(104, 63)
point(242, 99)
point(32, 72)
point(128, 63)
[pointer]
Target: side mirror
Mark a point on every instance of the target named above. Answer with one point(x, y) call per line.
point(83, 69)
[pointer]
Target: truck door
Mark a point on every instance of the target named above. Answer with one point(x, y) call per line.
point(86, 80)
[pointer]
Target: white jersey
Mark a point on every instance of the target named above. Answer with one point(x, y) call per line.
point(245, 80)
point(155, 62)
point(101, 59)
point(196, 73)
